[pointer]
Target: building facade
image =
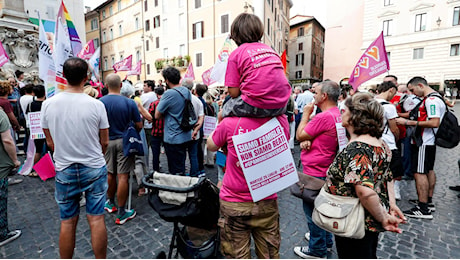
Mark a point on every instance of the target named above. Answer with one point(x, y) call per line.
point(306, 50)
point(164, 32)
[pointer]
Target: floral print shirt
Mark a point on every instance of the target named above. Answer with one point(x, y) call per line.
point(362, 164)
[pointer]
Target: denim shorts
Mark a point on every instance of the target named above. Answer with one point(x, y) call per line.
point(75, 179)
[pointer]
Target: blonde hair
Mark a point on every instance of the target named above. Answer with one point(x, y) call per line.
point(90, 91)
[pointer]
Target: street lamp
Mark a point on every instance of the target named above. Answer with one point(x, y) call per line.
point(246, 6)
point(438, 22)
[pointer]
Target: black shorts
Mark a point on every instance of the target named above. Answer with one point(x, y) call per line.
point(396, 165)
point(423, 158)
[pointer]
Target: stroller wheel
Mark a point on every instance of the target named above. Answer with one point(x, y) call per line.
point(161, 255)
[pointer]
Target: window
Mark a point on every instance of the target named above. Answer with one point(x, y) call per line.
point(121, 56)
point(111, 33)
point(389, 56)
point(181, 3)
point(387, 27)
point(299, 59)
point(103, 13)
point(300, 32)
point(182, 23)
point(313, 61)
point(198, 30)
point(268, 26)
point(197, 3)
point(157, 42)
point(50, 12)
point(96, 43)
point(301, 46)
point(156, 3)
point(156, 21)
point(104, 37)
point(164, 6)
point(165, 53)
point(387, 2)
point(146, 7)
point(110, 11)
point(138, 56)
point(298, 74)
point(454, 50)
point(148, 69)
point(120, 30)
point(418, 54)
point(147, 25)
point(93, 24)
point(106, 65)
point(199, 59)
point(456, 16)
point(136, 23)
point(165, 26)
point(147, 45)
point(119, 5)
point(113, 60)
point(182, 49)
point(224, 24)
point(420, 22)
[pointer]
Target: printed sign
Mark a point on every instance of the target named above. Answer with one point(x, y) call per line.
point(36, 131)
point(209, 125)
point(266, 160)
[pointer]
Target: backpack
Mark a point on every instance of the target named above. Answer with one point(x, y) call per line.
point(189, 118)
point(448, 135)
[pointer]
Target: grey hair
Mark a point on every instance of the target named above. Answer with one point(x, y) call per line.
point(127, 89)
point(332, 89)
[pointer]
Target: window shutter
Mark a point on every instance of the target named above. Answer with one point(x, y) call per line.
point(194, 31)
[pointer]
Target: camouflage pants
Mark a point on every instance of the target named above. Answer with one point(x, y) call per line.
point(239, 220)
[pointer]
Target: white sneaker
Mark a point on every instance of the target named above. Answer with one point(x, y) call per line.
point(12, 235)
point(397, 190)
point(304, 252)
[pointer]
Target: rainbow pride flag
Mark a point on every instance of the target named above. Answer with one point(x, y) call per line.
point(75, 42)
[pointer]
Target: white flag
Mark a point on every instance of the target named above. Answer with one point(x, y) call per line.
point(46, 63)
point(62, 51)
point(93, 63)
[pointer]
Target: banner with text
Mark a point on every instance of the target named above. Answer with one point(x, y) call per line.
point(210, 123)
point(372, 63)
point(266, 160)
point(36, 131)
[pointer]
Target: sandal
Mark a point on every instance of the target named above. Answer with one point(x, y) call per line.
point(33, 174)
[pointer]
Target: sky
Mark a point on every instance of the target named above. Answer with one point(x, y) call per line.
point(314, 8)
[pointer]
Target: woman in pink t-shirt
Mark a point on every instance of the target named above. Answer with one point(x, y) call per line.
point(255, 75)
point(240, 217)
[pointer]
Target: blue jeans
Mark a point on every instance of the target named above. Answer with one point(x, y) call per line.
point(75, 179)
point(156, 151)
point(192, 147)
point(176, 157)
point(320, 240)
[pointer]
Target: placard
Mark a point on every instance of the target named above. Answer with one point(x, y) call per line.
point(36, 131)
point(266, 160)
point(209, 125)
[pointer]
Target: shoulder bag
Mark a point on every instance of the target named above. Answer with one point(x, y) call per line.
point(132, 142)
point(307, 188)
point(340, 215)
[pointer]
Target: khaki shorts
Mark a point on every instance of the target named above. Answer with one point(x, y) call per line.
point(239, 220)
point(116, 161)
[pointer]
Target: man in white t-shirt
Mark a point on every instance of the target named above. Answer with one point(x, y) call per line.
point(430, 114)
point(147, 98)
point(386, 91)
point(77, 131)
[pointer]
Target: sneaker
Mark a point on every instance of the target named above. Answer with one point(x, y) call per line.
point(129, 214)
point(455, 188)
point(110, 207)
point(431, 206)
point(12, 235)
point(13, 181)
point(304, 252)
point(307, 237)
point(416, 212)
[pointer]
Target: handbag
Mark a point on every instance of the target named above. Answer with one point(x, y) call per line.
point(340, 215)
point(307, 188)
point(132, 142)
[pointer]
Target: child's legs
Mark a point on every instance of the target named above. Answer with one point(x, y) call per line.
point(236, 107)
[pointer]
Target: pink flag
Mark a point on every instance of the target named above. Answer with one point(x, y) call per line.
point(3, 56)
point(124, 65)
point(87, 52)
point(136, 70)
point(45, 167)
point(206, 76)
point(372, 63)
point(189, 74)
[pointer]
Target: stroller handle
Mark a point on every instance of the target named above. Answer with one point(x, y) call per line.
point(169, 188)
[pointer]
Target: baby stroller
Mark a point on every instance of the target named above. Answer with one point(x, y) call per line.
point(193, 203)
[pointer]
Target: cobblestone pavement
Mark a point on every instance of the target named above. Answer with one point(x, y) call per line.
point(31, 208)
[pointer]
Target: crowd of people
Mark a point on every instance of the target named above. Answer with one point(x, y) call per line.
point(385, 144)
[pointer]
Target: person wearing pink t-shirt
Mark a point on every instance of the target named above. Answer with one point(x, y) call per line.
point(240, 216)
point(319, 144)
point(255, 75)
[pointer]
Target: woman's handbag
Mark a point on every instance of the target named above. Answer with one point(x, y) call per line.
point(340, 215)
point(132, 142)
point(307, 188)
